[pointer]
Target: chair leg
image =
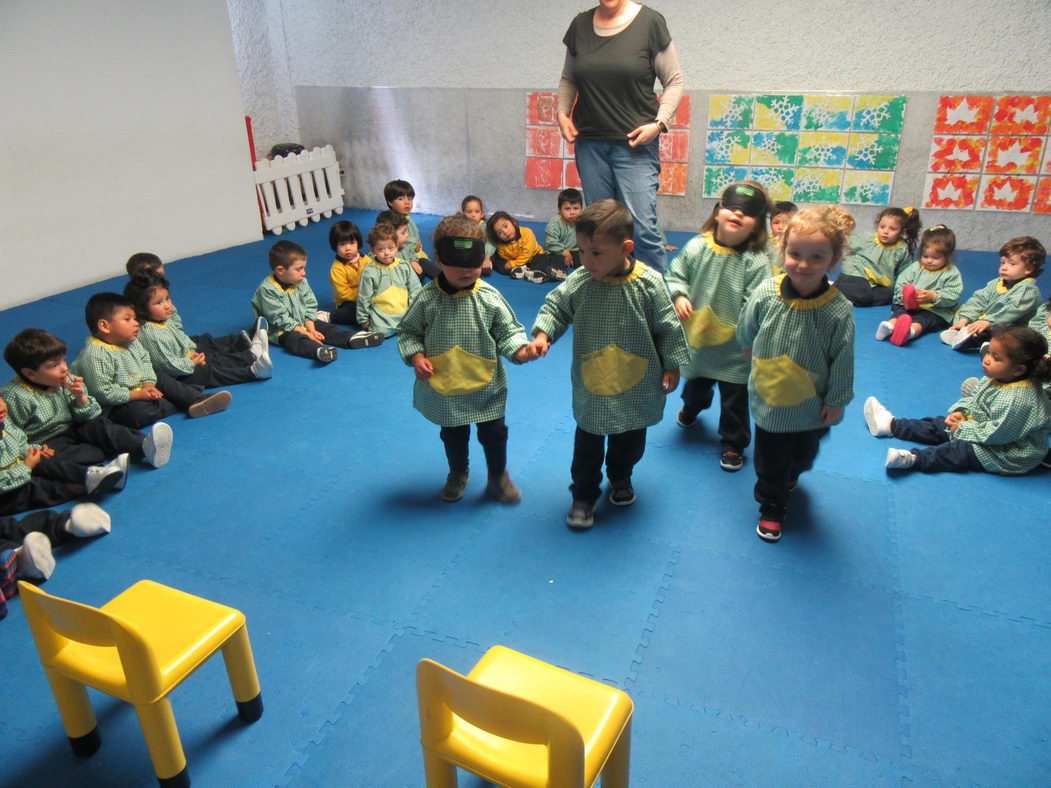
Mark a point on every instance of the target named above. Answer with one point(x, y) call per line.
point(438, 771)
point(240, 668)
point(162, 740)
point(615, 775)
point(78, 718)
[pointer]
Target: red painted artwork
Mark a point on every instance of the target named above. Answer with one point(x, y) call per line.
point(543, 141)
point(1006, 192)
point(675, 145)
point(1022, 115)
point(1042, 200)
point(957, 154)
point(572, 179)
point(672, 179)
point(542, 109)
point(963, 114)
point(543, 173)
point(1014, 155)
point(951, 191)
point(571, 150)
point(681, 118)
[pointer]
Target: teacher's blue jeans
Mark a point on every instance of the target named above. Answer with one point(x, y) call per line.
point(615, 170)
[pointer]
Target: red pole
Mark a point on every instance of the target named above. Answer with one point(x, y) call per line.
point(251, 153)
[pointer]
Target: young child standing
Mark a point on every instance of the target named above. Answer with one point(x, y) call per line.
point(1013, 297)
point(560, 236)
point(873, 263)
point(345, 274)
point(473, 209)
point(927, 292)
point(388, 285)
point(627, 350)
point(710, 281)
point(453, 336)
point(1000, 427)
point(782, 211)
point(799, 331)
point(399, 196)
point(288, 304)
point(516, 249)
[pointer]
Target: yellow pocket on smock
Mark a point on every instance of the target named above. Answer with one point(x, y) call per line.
point(781, 381)
point(394, 300)
point(611, 371)
point(703, 328)
point(457, 371)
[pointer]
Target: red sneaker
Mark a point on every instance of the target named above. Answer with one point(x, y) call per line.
point(902, 326)
point(908, 297)
point(769, 530)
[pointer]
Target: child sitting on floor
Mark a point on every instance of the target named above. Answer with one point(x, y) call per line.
point(453, 336)
point(927, 292)
point(627, 350)
point(1013, 297)
point(117, 371)
point(399, 196)
point(560, 236)
point(780, 213)
point(473, 209)
point(518, 255)
point(388, 285)
point(873, 263)
point(1000, 427)
point(345, 274)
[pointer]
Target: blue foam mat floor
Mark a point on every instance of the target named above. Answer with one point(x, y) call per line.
point(897, 635)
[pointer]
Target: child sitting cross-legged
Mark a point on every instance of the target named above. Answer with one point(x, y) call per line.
point(560, 235)
point(453, 336)
point(345, 274)
point(118, 373)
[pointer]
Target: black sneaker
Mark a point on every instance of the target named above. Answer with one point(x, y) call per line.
point(326, 354)
point(731, 460)
point(684, 420)
point(621, 493)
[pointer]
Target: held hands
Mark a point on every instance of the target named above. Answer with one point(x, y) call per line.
point(954, 420)
point(830, 416)
point(567, 127)
point(526, 353)
point(75, 385)
point(540, 344)
point(669, 381)
point(647, 132)
point(422, 365)
point(683, 307)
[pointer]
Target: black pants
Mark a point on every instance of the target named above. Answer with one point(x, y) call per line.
point(500, 265)
point(143, 412)
point(624, 451)
point(547, 264)
point(221, 369)
point(734, 423)
point(947, 455)
point(860, 292)
point(299, 344)
point(779, 459)
point(346, 314)
point(46, 487)
point(929, 322)
point(231, 343)
point(94, 441)
point(52, 524)
point(491, 434)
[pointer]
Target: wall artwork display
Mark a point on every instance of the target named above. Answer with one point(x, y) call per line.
point(990, 153)
point(810, 148)
point(549, 159)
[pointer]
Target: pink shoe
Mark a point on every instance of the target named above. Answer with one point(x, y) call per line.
point(909, 299)
point(900, 335)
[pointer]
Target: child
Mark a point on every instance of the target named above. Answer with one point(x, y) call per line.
point(799, 331)
point(52, 407)
point(345, 275)
point(518, 254)
point(174, 353)
point(927, 292)
point(1012, 298)
point(31, 476)
point(147, 262)
point(560, 237)
point(399, 196)
point(1041, 321)
point(868, 274)
point(627, 349)
point(472, 208)
point(453, 336)
point(388, 286)
point(782, 211)
point(1001, 427)
point(287, 303)
point(117, 370)
point(709, 282)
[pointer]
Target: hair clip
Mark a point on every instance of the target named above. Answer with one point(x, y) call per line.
point(908, 209)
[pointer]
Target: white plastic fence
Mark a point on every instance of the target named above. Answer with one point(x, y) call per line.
point(298, 189)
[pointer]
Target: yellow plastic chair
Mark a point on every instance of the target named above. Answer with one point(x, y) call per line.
point(138, 647)
point(521, 723)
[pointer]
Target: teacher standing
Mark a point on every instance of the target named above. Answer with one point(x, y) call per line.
point(613, 55)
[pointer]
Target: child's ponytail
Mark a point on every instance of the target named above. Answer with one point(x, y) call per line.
point(911, 229)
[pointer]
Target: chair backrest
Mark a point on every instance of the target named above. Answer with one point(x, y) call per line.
point(55, 622)
point(442, 692)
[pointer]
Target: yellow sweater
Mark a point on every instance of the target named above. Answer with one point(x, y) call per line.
point(520, 252)
point(345, 278)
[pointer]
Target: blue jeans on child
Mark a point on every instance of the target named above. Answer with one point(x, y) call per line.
point(945, 455)
point(617, 171)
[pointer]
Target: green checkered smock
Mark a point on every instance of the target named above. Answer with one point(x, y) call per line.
point(559, 236)
point(45, 413)
point(285, 307)
point(946, 282)
point(802, 355)
point(773, 253)
point(999, 302)
point(463, 335)
point(111, 372)
point(1007, 424)
point(625, 334)
point(385, 294)
point(169, 347)
point(13, 449)
point(408, 249)
point(1039, 322)
point(718, 280)
point(871, 260)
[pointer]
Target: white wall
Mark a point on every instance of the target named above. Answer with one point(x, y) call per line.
point(121, 130)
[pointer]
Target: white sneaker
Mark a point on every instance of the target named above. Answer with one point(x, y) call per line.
point(518, 273)
point(260, 345)
point(121, 461)
point(323, 316)
point(34, 556)
point(968, 386)
point(536, 277)
point(88, 519)
point(157, 445)
point(884, 330)
point(899, 458)
point(878, 418)
point(950, 336)
point(103, 478)
point(558, 274)
point(262, 368)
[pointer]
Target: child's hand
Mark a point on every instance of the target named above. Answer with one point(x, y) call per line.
point(525, 353)
point(926, 296)
point(149, 390)
point(198, 359)
point(75, 385)
point(46, 451)
point(33, 457)
point(567, 255)
point(487, 266)
point(683, 307)
point(960, 323)
point(540, 344)
point(669, 380)
point(423, 366)
point(830, 416)
point(978, 326)
point(417, 268)
point(954, 420)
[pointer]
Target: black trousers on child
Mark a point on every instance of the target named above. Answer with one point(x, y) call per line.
point(346, 314)
point(734, 422)
point(946, 454)
point(222, 369)
point(860, 292)
point(491, 434)
point(50, 523)
point(928, 321)
point(779, 459)
point(299, 344)
point(143, 412)
point(231, 343)
point(623, 452)
point(46, 487)
point(97, 440)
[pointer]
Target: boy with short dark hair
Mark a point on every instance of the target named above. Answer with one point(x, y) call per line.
point(628, 346)
point(399, 196)
point(560, 236)
point(287, 303)
point(118, 372)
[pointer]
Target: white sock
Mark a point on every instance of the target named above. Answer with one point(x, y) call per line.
point(88, 519)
